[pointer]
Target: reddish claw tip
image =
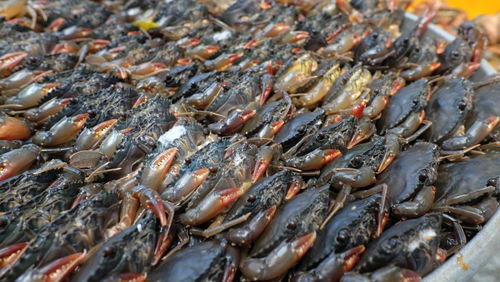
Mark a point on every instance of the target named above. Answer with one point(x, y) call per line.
point(184, 61)
point(56, 24)
point(141, 100)
point(251, 43)
point(260, 169)
point(9, 254)
point(132, 277)
point(357, 111)
point(277, 29)
point(330, 155)
point(293, 190)
point(58, 270)
point(163, 243)
point(80, 198)
point(276, 127)
point(228, 196)
point(156, 205)
point(352, 256)
point(304, 243)
point(492, 122)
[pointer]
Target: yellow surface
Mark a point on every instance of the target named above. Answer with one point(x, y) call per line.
point(475, 8)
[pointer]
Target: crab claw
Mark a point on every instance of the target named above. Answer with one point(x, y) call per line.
point(75, 32)
point(66, 47)
point(152, 201)
point(47, 109)
point(91, 136)
point(10, 61)
point(202, 51)
point(10, 254)
point(30, 96)
point(185, 186)
point(313, 160)
point(128, 277)
point(223, 62)
point(333, 267)
point(264, 157)
point(13, 128)
point(364, 130)
point(154, 173)
point(56, 24)
point(210, 206)
point(62, 132)
point(279, 261)
point(392, 149)
point(97, 45)
point(232, 122)
point(252, 229)
point(274, 29)
point(55, 271)
point(355, 178)
point(474, 135)
point(266, 84)
point(295, 36)
point(17, 160)
point(269, 131)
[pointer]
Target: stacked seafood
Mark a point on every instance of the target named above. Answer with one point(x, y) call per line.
point(239, 140)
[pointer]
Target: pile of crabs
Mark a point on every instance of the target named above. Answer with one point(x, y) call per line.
point(239, 140)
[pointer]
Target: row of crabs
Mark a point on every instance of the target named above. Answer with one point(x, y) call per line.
point(297, 116)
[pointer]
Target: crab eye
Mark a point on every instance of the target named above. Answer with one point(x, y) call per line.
point(356, 162)
point(3, 222)
point(109, 252)
point(251, 198)
point(423, 175)
point(455, 54)
point(291, 225)
point(342, 236)
point(462, 105)
point(492, 182)
point(391, 246)
point(321, 136)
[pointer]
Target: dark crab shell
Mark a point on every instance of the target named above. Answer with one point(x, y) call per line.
point(413, 169)
point(353, 225)
point(408, 100)
point(303, 214)
point(411, 244)
point(448, 108)
point(463, 177)
point(299, 127)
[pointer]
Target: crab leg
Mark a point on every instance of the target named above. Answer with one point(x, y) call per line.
point(62, 132)
point(279, 261)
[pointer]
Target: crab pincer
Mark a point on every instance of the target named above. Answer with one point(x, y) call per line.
point(91, 136)
point(17, 160)
point(210, 206)
point(10, 61)
point(55, 271)
point(30, 95)
point(12, 128)
point(232, 123)
point(154, 173)
point(333, 267)
point(313, 160)
point(279, 260)
point(61, 132)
